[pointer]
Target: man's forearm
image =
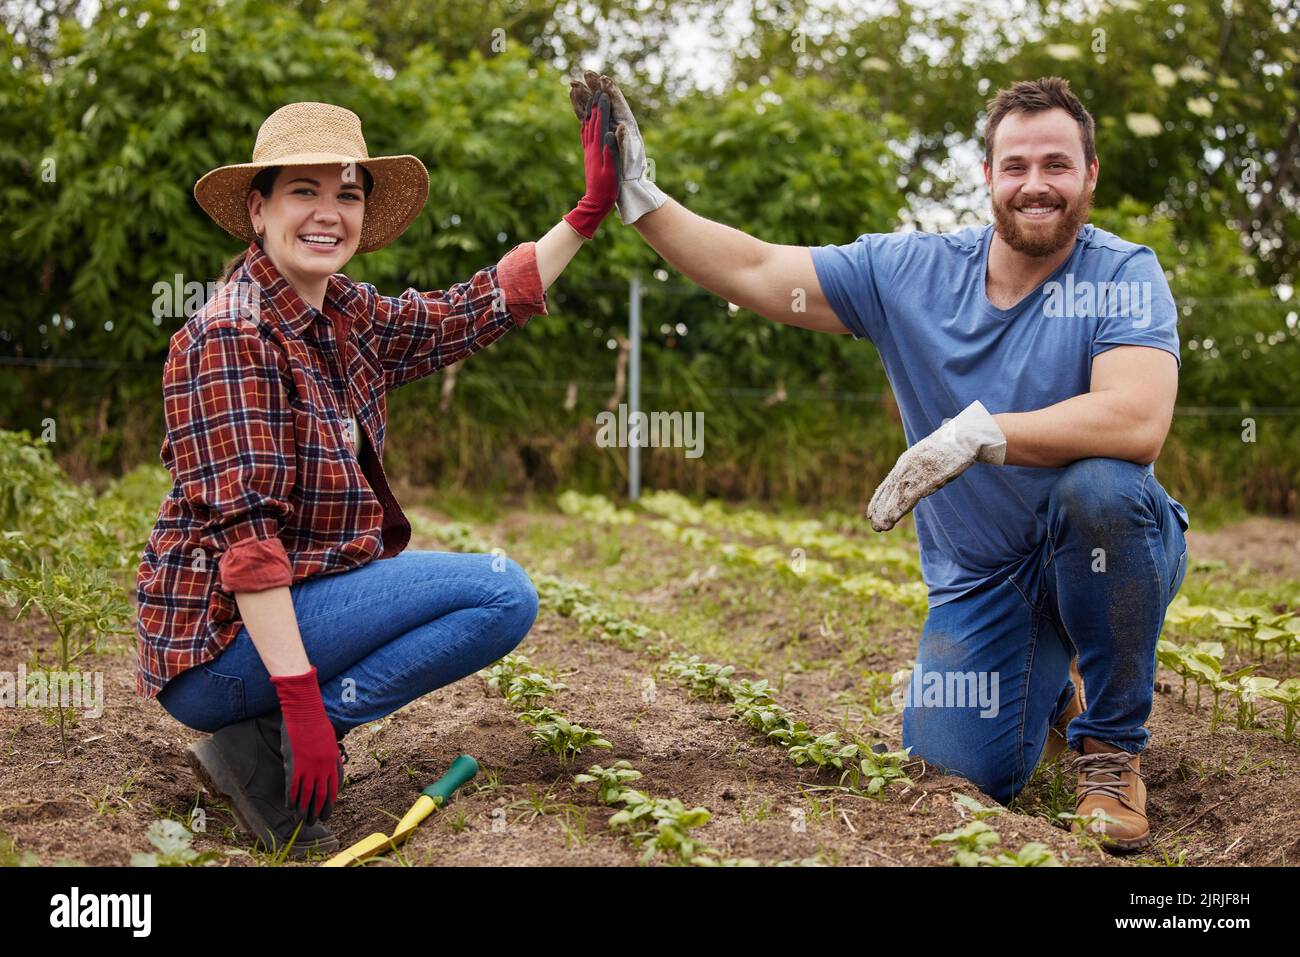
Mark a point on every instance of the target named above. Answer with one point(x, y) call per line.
point(1093, 425)
point(273, 626)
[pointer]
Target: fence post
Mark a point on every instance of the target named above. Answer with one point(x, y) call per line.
point(634, 389)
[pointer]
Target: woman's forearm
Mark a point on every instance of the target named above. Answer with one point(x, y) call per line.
point(272, 624)
point(554, 250)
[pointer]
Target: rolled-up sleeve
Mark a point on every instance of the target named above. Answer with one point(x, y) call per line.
point(230, 427)
point(418, 333)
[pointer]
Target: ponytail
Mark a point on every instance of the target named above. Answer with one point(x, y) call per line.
point(263, 182)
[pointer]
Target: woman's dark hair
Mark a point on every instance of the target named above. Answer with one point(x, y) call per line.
point(264, 182)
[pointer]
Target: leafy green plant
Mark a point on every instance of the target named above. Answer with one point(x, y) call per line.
point(171, 841)
point(552, 732)
point(972, 840)
point(702, 680)
point(969, 842)
point(1287, 694)
point(825, 751)
point(879, 770)
point(527, 690)
point(610, 782)
point(968, 805)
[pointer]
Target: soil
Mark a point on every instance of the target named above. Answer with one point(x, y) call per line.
point(1226, 798)
point(1267, 545)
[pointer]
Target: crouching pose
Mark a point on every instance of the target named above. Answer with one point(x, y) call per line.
point(277, 607)
point(1035, 363)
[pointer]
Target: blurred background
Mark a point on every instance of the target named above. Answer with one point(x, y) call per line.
point(806, 123)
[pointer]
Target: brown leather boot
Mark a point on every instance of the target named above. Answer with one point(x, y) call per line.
point(1109, 781)
point(1056, 734)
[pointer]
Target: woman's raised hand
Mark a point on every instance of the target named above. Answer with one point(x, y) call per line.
point(637, 193)
point(600, 161)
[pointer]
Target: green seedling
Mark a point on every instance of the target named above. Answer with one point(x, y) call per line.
point(974, 808)
point(171, 841)
point(825, 751)
point(552, 732)
point(527, 690)
point(969, 842)
point(1287, 694)
point(610, 782)
point(878, 771)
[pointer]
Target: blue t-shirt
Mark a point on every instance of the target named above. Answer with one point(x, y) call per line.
point(919, 298)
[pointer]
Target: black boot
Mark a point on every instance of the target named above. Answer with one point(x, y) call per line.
point(243, 763)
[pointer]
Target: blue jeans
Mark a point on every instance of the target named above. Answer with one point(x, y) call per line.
point(992, 669)
point(379, 637)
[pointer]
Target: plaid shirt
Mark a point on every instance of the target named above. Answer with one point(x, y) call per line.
point(267, 490)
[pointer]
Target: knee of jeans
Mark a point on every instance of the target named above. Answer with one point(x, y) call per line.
point(940, 745)
point(517, 601)
point(1095, 491)
point(195, 722)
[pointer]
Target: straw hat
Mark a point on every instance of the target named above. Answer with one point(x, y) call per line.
point(319, 134)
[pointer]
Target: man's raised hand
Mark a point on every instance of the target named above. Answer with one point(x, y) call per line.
point(637, 194)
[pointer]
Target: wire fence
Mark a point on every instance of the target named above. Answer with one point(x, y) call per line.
point(736, 392)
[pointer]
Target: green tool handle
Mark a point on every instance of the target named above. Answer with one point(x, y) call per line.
point(461, 772)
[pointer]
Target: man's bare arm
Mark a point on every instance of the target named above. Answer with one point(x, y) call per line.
point(1126, 415)
point(777, 282)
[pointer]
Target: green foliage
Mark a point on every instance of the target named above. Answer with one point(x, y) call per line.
point(172, 842)
point(861, 769)
point(553, 732)
point(971, 842)
point(63, 551)
point(609, 781)
point(853, 129)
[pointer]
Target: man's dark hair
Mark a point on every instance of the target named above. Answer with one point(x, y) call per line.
point(1036, 96)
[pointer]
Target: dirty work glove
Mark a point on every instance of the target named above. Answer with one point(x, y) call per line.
point(637, 195)
point(600, 160)
point(313, 767)
point(973, 436)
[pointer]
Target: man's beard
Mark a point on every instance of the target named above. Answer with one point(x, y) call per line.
point(1038, 241)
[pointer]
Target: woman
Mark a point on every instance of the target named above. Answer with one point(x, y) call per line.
point(263, 614)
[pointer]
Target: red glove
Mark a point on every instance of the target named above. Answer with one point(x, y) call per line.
point(600, 159)
point(313, 768)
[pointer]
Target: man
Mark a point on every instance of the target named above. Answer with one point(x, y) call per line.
point(1035, 363)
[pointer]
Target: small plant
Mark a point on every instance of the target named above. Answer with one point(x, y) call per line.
point(971, 841)
point(527, 690)
point(499, 675)
point(610, 782)
point(968, 805)
point(879, 770)
point(552, 732)
point(1287, 694)
point(1089, 828)
point(172, 842)
point(701, 679)
point(825, 751)
point(661, 826)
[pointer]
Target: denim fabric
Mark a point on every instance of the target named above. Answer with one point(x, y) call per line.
point(1112, 559)
point(380, 636)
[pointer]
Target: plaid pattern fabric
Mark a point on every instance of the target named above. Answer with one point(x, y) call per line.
point(266, 488)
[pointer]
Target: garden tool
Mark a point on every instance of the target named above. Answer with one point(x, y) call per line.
point(462, 771)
